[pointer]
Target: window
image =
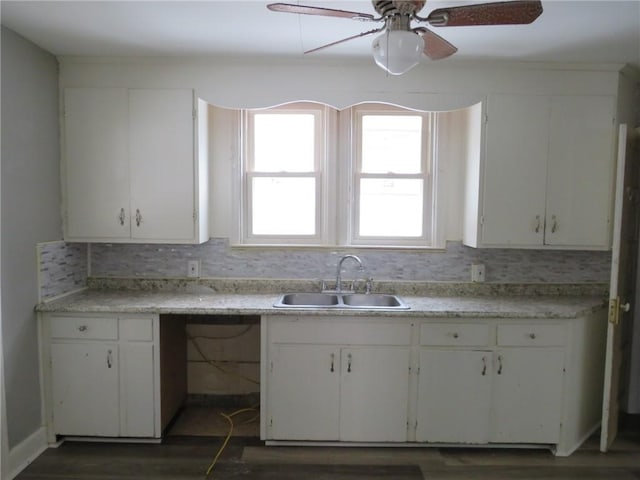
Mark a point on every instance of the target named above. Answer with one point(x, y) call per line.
point(381, 183)
point(284, 162)
point(392, 181)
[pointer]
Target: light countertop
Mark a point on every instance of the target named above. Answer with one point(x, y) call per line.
point(204, 301)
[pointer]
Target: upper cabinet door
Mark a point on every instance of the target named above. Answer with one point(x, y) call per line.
point(132, 172)
point(547, 176)
point(515, 168)
point(580, 172)
point(96, 165)
point(161, 153)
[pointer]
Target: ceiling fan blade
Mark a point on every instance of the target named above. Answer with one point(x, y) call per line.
point(498, 13)
point(327, 12)
point(435, 47)
point(345, 40)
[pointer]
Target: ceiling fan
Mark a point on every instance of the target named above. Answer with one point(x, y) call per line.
point(400, 46)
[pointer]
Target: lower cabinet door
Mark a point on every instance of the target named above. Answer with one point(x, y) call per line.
point(528, 395)
point(374, 394)
point(454, 396)
point(85, 389)
point(137, 413)
point(303, 392)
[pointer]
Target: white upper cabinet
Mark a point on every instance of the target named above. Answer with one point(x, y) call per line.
point(134, 167)
point(546, 175)
point(95, 163)
point(580, 172)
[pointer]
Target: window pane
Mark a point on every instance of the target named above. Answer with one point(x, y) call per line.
point(391, 143)
point(283, 206)
point(283, 142)
point(390, 207)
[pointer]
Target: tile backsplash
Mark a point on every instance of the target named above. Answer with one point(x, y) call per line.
point(219, 260)
point(62, 268)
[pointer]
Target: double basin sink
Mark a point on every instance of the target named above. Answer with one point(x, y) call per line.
point(373, 301)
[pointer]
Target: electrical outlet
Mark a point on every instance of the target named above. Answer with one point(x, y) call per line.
point(193, 268)
point(477, 272)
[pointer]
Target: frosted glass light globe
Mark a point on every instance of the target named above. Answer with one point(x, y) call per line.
point(397, 51)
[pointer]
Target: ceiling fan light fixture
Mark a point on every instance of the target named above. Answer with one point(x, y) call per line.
point(397, 51)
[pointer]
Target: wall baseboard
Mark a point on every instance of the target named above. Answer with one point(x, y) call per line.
point(27, 451)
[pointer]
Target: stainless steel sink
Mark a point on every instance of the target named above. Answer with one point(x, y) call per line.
point(373, 301)
point(308, 299)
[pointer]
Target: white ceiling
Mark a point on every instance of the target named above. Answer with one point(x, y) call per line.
point(592, 31)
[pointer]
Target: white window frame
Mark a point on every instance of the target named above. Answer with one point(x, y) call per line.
point(427, 175)
point(320, 175)
point(337, 174)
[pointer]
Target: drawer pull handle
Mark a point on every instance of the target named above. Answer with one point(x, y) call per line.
point(349, 363)
point(138, 217)
point(532, 336)
point(484, 366)
point(82, 328)
point(109, 359)
point(333, 356)
point(455, 335)
point(499, 364)
point(121, 217)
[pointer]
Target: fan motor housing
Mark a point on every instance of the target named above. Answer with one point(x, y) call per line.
point(398, 7)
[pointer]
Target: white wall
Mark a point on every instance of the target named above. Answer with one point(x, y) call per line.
point(30, 214)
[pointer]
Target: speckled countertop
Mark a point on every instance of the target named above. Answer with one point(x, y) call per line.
point(439, 302)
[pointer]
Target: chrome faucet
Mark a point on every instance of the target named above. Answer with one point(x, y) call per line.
point(339, 270)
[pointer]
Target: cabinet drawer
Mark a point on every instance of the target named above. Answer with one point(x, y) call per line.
point(340, 333)
point(95, 328)
point(533, 335)
point(454, 334)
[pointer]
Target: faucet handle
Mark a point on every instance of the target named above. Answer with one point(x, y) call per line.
point(368, 287)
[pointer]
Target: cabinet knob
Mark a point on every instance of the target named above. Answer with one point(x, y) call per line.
point(532, 336)
point(455, 335)
point(82, 328)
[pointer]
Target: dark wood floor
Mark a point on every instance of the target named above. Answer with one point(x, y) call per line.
point(188, 457)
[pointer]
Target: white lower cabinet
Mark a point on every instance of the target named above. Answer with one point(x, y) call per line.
point(104, 375)
point(473, 381)
point(452, 384)
point(374, 385)
point(331, 380)
point(509, 389)
point(527, 395)
point(304, 382)
point(85, 388)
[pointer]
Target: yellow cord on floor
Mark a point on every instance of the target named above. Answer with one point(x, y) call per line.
point(229, 418)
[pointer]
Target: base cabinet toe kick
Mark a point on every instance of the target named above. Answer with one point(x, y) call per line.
point(431, 382)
